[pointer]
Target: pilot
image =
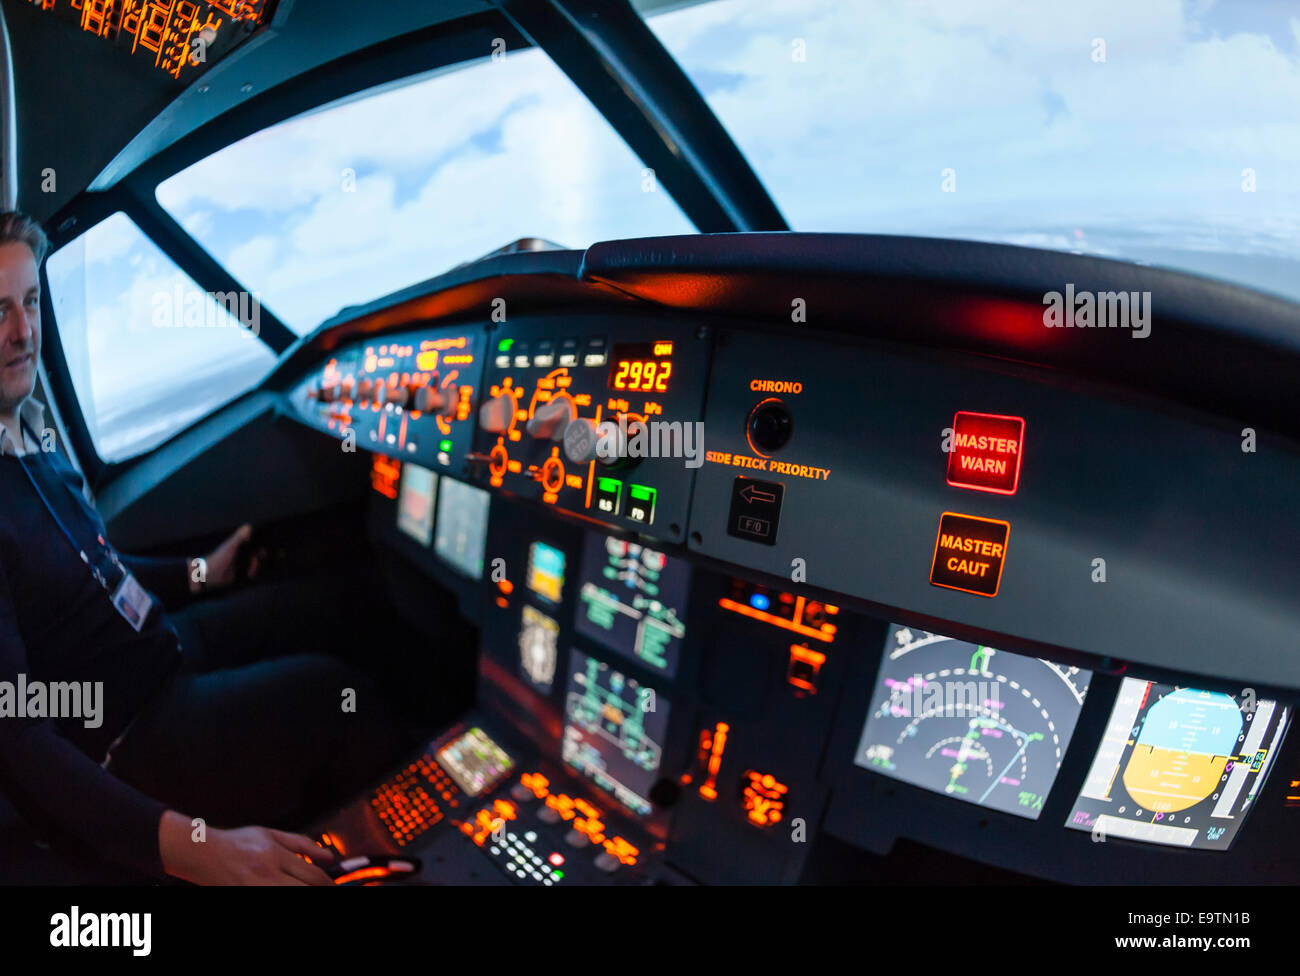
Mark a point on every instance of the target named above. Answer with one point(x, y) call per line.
point(186, 748)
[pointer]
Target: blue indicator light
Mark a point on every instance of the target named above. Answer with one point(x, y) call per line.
point(759, 601)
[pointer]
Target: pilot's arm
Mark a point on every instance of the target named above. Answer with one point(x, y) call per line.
point(174, 579)
point(47, 773)
point(51, 778)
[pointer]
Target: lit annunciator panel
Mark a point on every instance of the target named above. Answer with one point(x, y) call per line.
point(177, 36)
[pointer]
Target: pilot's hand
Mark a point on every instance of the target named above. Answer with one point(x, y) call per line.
point(222, 561)
point(244, 856)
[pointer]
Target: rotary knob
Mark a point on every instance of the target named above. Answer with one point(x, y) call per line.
point(494, 415)
point(551, 419)
point(364, 389)
point(576, 838)
point(552, 475)
point(583, 441)
point(450, 398)
point(428, 399)
point(548, 815)
point(399, 395)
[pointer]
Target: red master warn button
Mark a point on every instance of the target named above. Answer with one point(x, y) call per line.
point(986, 450)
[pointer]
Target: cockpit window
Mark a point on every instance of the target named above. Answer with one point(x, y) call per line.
point(1161, 133)
point(395, 185)
point(148, 350)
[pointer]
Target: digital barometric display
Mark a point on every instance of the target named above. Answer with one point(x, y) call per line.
point(545, 572)
point(1178, 766)
point(474, 761)
point(614, 730)
point(415, 498)
point(633, 600)
point(985, 726)
point(539, 637)
point(461, 535)
point(641, 367)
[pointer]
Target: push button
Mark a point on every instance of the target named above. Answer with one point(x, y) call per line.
point(755, 510)
point(969, 552)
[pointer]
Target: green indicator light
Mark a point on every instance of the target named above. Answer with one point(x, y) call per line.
point(557, 875)
point(642, 506)
point(609, 484)
point(445, 446)
point(504, 345)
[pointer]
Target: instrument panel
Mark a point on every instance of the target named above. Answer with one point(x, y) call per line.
point(409, 396)
point(696, 633)
point(594, 418)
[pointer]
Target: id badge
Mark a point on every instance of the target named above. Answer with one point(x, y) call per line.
point(132, 602)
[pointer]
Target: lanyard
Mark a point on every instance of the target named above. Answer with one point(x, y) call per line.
point(100, 558)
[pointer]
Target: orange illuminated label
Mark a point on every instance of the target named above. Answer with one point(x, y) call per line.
point(771, 465)
point(969, 552)
point(775, 386)
point(986, 451)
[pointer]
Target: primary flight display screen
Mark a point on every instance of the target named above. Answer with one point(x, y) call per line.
point(633, 600)
point(461, 534)
point(415, 503)
point(982, 725)
point(545, 572)
point(1178, 766)
point(614, 730)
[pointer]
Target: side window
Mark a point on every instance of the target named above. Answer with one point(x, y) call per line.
point(149, 351)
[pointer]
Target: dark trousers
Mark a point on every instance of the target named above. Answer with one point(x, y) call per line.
point(254, 729)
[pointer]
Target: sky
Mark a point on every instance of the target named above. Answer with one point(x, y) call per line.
point(1120, 128)
point(1048, 145)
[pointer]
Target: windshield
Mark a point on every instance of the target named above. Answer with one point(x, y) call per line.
point(148, 351)
point(1158, 132)
point(385, 189)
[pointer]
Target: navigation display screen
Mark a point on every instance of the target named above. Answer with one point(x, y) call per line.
point(1178, 766)
point(614, 730)
point(415, 503)
point(633, 601)
point(982, 725)
point(462, 526)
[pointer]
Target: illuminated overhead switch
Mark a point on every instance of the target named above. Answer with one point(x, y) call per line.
point(969, 552)
point(986, 451)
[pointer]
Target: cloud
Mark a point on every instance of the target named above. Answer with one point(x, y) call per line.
point(1007, 94)
point(442, 170)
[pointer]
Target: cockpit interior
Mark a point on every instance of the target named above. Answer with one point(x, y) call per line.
point(753, 442)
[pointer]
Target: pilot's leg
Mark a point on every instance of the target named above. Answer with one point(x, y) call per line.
point(263, 622)
point(273, 744)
